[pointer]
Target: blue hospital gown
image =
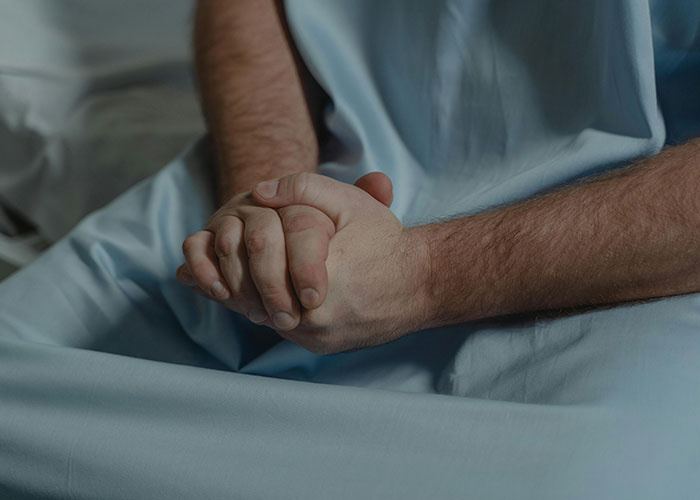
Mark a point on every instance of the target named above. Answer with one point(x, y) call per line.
point(116, 382)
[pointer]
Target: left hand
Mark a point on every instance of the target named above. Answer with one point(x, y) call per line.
point(376, 267)
point(255, 262)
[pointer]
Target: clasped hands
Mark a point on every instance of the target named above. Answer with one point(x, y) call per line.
point(324, 263)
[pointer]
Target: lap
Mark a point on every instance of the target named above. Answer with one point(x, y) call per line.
point(110, 286)
point(561, 385)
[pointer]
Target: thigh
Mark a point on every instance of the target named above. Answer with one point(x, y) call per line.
point(644, 355)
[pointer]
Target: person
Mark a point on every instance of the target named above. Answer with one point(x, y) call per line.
point(329, 267)
point(436, 173)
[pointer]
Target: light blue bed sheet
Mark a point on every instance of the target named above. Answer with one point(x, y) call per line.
point(116, 382)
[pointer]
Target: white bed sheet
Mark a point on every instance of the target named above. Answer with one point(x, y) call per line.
point(94, 96)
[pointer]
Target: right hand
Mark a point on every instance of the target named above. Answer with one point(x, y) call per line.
point(260, 262)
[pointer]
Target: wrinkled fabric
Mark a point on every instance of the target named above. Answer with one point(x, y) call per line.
point(467, 105)
point(116, 382)
point(94, 97)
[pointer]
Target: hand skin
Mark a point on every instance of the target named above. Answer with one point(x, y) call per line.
point(247, 248)
point(244, 259)
point(627, 235)
point(373, 265)
point(260, 103)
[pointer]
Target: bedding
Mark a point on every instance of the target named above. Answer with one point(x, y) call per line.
point(94, 97)
point(117, 382)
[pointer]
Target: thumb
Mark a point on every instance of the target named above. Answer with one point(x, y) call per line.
point(338, 200)
point(378, 185)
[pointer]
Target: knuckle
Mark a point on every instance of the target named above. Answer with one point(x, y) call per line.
point(299, 184)
point(271, 290)
point(295, 221)
point(257, 241)
point(191, 242)
point(225, 245)
point(188, 244)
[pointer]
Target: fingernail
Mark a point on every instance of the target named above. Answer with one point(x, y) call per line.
point(283, 320)
point(218, 289)
point(308, 296)
point(267, 189)
point(257, 316)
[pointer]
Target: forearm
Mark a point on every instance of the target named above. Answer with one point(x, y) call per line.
point(252, 94)
point(629, 235)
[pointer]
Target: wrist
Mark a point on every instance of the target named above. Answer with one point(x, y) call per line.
point(234, 177)
point(421, 281)
point(240, 161)
point(453, 290)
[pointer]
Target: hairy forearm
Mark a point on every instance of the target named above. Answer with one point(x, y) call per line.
point(628, 235)
point(252, 94)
